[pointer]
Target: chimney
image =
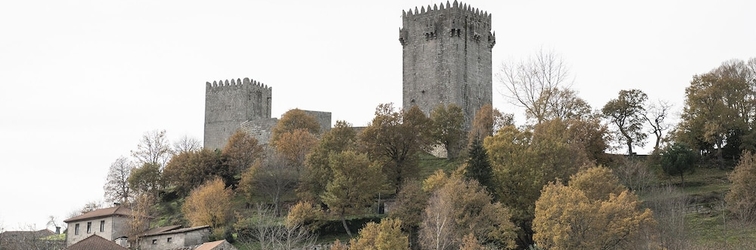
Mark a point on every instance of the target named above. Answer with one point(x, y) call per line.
point(57, 230)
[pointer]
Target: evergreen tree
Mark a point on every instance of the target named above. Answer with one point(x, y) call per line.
point(478, 167)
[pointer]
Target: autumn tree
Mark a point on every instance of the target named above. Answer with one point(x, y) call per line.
point(627, 114)
point(146, 179)
point(719, 110)
point(292, 120)
point(141, 212)
point(532, 84)
point(356, 181)
point(678, 159)
point(395, 138)
point(272, 178)
point(461, 207)
point(307, 215)
point(524, 160)
point(241, 151)
point(263, 230)
point(188, 170)
point(593, 212)
point(117, 182)
point(386, 235)
point(208, 204)
point(410, 204)
point(317, 171)
point(294, 146)
point(741, 200)
point(563, 103)
point(487, 121)
point(447, 128)
point(153, 148)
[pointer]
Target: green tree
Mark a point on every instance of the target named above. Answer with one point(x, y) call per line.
point(563, 103)
point(394, 139)
point(678, 159)
point(447, 128)
point(593, 212)
point(356, 181)
point(292, 120)
point(209, 204)
point(478, 167)
point(627, 114)
point(146, 179)
point(317, 172)
point(741, 200)
point(307, 215)
point(241, 151)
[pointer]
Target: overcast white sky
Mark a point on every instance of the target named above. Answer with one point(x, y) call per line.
point(81, 81)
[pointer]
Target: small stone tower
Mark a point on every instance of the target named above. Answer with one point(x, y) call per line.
point(447, 58)
point(229, 104)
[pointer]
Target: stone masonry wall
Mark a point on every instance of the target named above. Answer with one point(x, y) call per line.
point(230, 103)
point(447, 58)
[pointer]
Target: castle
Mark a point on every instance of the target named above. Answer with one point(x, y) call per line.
point(446, 60)
point(446, 57)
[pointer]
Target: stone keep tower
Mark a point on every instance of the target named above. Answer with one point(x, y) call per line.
point(229, 104)
point(447, 58)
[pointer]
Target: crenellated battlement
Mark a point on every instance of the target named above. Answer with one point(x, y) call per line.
point(454, 7)
point(234, 84)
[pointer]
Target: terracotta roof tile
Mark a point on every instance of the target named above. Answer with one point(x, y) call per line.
point(95, 242)
point(104, 212)
point(210, 245)
point(180, 230)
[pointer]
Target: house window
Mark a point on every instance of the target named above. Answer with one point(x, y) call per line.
point(169, 239)
point(89, 227)
point(102, 226)
point(76, 229)
point(154, 242)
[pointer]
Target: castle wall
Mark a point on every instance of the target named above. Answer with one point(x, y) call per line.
point(230, 103)
point(260, 128)
point(447, 58)
point(324, 119)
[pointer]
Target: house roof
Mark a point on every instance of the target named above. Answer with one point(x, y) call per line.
point(176, 231)
point(104, 212)
point(161, 229)
point(210, 245)
point(95, 242)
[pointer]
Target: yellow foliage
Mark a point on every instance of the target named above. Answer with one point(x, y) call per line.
point(208, 204)
point(337, 245)
point(470, 242)
point(567, 218)
point(306, 214)
point(597, 183)
point(386, 235)
point(741, 200)
point(435, 181)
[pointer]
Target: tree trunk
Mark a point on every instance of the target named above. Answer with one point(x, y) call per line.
point(343, 222)
point(682, 179)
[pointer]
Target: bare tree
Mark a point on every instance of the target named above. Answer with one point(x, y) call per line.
point(437, 229)
point(117, 183)
point(532, 84)
point(273, 177)
point(153, 148)
point(270, 233)
point(186, 144)
point(655, 115)
point(91, 206)
point(669, 204)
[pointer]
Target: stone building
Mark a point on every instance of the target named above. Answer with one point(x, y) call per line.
point(446, 58)
point(110, 223)
point(243, 104)
point(174, 237)
point(229, 104)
